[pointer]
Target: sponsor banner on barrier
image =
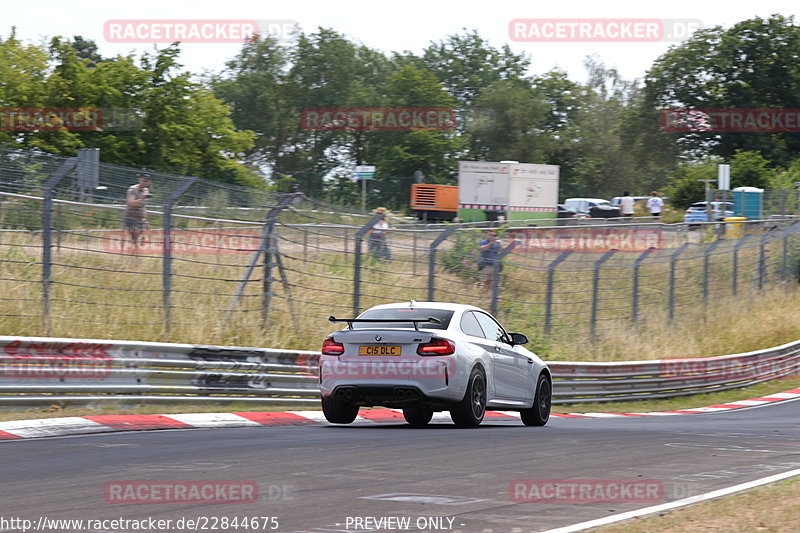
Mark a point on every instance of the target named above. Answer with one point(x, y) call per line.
point(588, 239)
point(43, 360)
point(586, 490)
point(207, 241)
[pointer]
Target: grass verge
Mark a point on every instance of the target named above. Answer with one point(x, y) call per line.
point(739, 513)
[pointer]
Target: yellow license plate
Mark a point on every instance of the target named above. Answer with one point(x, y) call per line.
point(380, 349)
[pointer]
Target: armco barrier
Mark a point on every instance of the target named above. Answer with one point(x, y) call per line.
point(37, 370)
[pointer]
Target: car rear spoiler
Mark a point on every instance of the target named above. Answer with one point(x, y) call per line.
point(415, 321)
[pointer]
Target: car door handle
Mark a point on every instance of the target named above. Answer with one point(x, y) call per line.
point(497, 349)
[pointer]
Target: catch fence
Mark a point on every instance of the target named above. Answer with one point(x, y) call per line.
point(229, 265)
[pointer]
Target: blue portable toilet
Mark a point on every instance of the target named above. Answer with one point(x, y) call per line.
point(748, 202)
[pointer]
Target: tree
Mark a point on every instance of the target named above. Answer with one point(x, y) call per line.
point(466, 64)
point(397, 155)
point(751, 65)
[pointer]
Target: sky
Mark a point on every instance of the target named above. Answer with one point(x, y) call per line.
point(405, 25)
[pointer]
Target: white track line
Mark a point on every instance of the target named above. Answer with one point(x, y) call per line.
point(674, 505)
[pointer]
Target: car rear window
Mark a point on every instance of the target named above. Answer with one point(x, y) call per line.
point(400, 314)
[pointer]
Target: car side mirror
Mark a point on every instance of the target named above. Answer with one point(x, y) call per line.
point(518, 338)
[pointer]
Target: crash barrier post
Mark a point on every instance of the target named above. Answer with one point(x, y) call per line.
point(167, 254)
point(37, 370)
point(47, 228)
point(432, 260)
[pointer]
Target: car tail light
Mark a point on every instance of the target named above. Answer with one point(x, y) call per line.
point(437, 347)
point(331, 347)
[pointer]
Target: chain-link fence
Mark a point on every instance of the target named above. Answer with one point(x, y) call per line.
point(223, 264)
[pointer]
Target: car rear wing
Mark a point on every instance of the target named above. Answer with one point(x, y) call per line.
point(415, 321)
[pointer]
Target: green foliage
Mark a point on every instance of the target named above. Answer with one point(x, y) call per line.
point(183, 127)
point(749, 65)
point(462, 257)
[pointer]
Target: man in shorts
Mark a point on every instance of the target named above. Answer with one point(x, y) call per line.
point(134, 219)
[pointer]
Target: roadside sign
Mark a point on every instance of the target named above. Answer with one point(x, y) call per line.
point(365, 172)
point(724, 177)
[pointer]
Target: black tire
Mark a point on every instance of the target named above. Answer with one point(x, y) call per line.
point(470, 411)
point(418, 416)
point(338, 411)
point(539, 414)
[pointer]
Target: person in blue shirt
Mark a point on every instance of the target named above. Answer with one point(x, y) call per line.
point(489, 248)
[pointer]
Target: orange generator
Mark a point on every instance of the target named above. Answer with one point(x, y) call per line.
point(434, 202)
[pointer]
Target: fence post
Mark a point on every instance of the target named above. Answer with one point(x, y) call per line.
point(735, 265)
point(270, 246)
point(706, 255)
point(596, 288)
point(357, 261)
point(785, 254)
point(635, 294)
point(432, 259)
point(414, 252)
point(179, 191)
point(673, 259)
point(762, 259)
point(47, 234)
point(269, 221)
point(548, 296)
point(496, 275)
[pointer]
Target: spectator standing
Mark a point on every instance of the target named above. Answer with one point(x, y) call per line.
point(489, 248)
point(654, 204)
point(626, 204)
point(378, 247)
point(134, 219)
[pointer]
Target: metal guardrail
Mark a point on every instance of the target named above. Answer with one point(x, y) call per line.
point(35, 370)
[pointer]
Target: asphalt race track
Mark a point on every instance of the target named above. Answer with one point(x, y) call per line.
point(440, 478)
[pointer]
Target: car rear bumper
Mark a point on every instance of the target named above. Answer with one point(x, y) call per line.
point(396, 385)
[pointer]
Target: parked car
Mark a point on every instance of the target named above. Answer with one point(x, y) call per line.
point(564, 213)
point(583, 206)
point(428, 357)
point(698, 212)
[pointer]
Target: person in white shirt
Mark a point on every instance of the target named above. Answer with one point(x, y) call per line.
point(377, 237)
point(654, 204)
point(626, 204)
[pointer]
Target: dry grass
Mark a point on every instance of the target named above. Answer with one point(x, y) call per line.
point(104, 295)
point(773, 508)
